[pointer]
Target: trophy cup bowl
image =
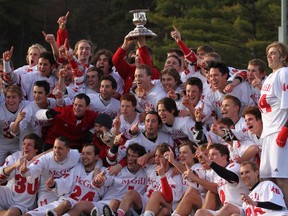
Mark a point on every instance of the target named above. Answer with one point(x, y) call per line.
point(139, 20)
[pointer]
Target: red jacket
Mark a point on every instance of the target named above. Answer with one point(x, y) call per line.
point(126, 71)
point(65, 124)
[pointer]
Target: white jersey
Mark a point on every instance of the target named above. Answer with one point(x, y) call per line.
point(201, 173)
point(181, 130)
point(119, 80)
point(80, 182)
point(26, 69)
point(45, 166)
point(266, 191)
point(231, 192)
point(26, 81)
point(146, 143)
point(98, 106)
point(30, 124)
point(242, 92)
point(273, 102)
point(154, 184)
point(238, 148)
point(6, 118)
point(207, 112)
point(22, 191)
point(125, 126)
point(124, 181)
point(151, 99)
point(241, 125)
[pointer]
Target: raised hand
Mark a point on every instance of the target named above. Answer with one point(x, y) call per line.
point(141, 93)
point(199, 113)
point(50, 183)
point(169, 156)
point(23, 167)
point(188, 174)
point(135, 128)
point(21, 115)
point(117, 123)
point(128, 42)
point(172, 94)
point(7, 55)
point(49, 38)
point(176, 34)
point(63, 20)
point(248, 200)
point(99, 179)
point(64, 51)
point(118, 139)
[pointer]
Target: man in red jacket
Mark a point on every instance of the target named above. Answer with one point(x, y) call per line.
point(73, 121)
point(125, 70)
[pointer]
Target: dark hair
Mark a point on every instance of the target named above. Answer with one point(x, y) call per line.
point(111, 79)
point(153, 112)
point(129, 97)
point(49, 56)
point(136, 148)
point(98, 70)
point(107, 53)
point(195, 81)
point(44, 84)
point(83, 96)
point(178, 52)
point(169, 105)
point(172, 72)
point(96, 149)
point(253, 110)
point(206, 48)
point(227, 121)
point(65, 140)
point(221, 66)
point(146, 68)
point(38, 142)
point(176, 57)
point(221, 148)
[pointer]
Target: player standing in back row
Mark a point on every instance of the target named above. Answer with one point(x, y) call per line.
point(273, 104)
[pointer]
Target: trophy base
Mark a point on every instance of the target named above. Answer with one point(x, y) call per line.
point(140, 31)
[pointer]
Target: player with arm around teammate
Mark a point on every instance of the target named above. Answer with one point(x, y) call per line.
point(79, 181)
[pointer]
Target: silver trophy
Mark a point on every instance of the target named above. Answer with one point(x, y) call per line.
point(139, 20)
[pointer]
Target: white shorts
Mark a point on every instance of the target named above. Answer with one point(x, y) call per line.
point(40, 211)
point(274, 159)
point(6, 201)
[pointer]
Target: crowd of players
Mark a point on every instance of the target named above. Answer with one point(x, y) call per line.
point(109, 134)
